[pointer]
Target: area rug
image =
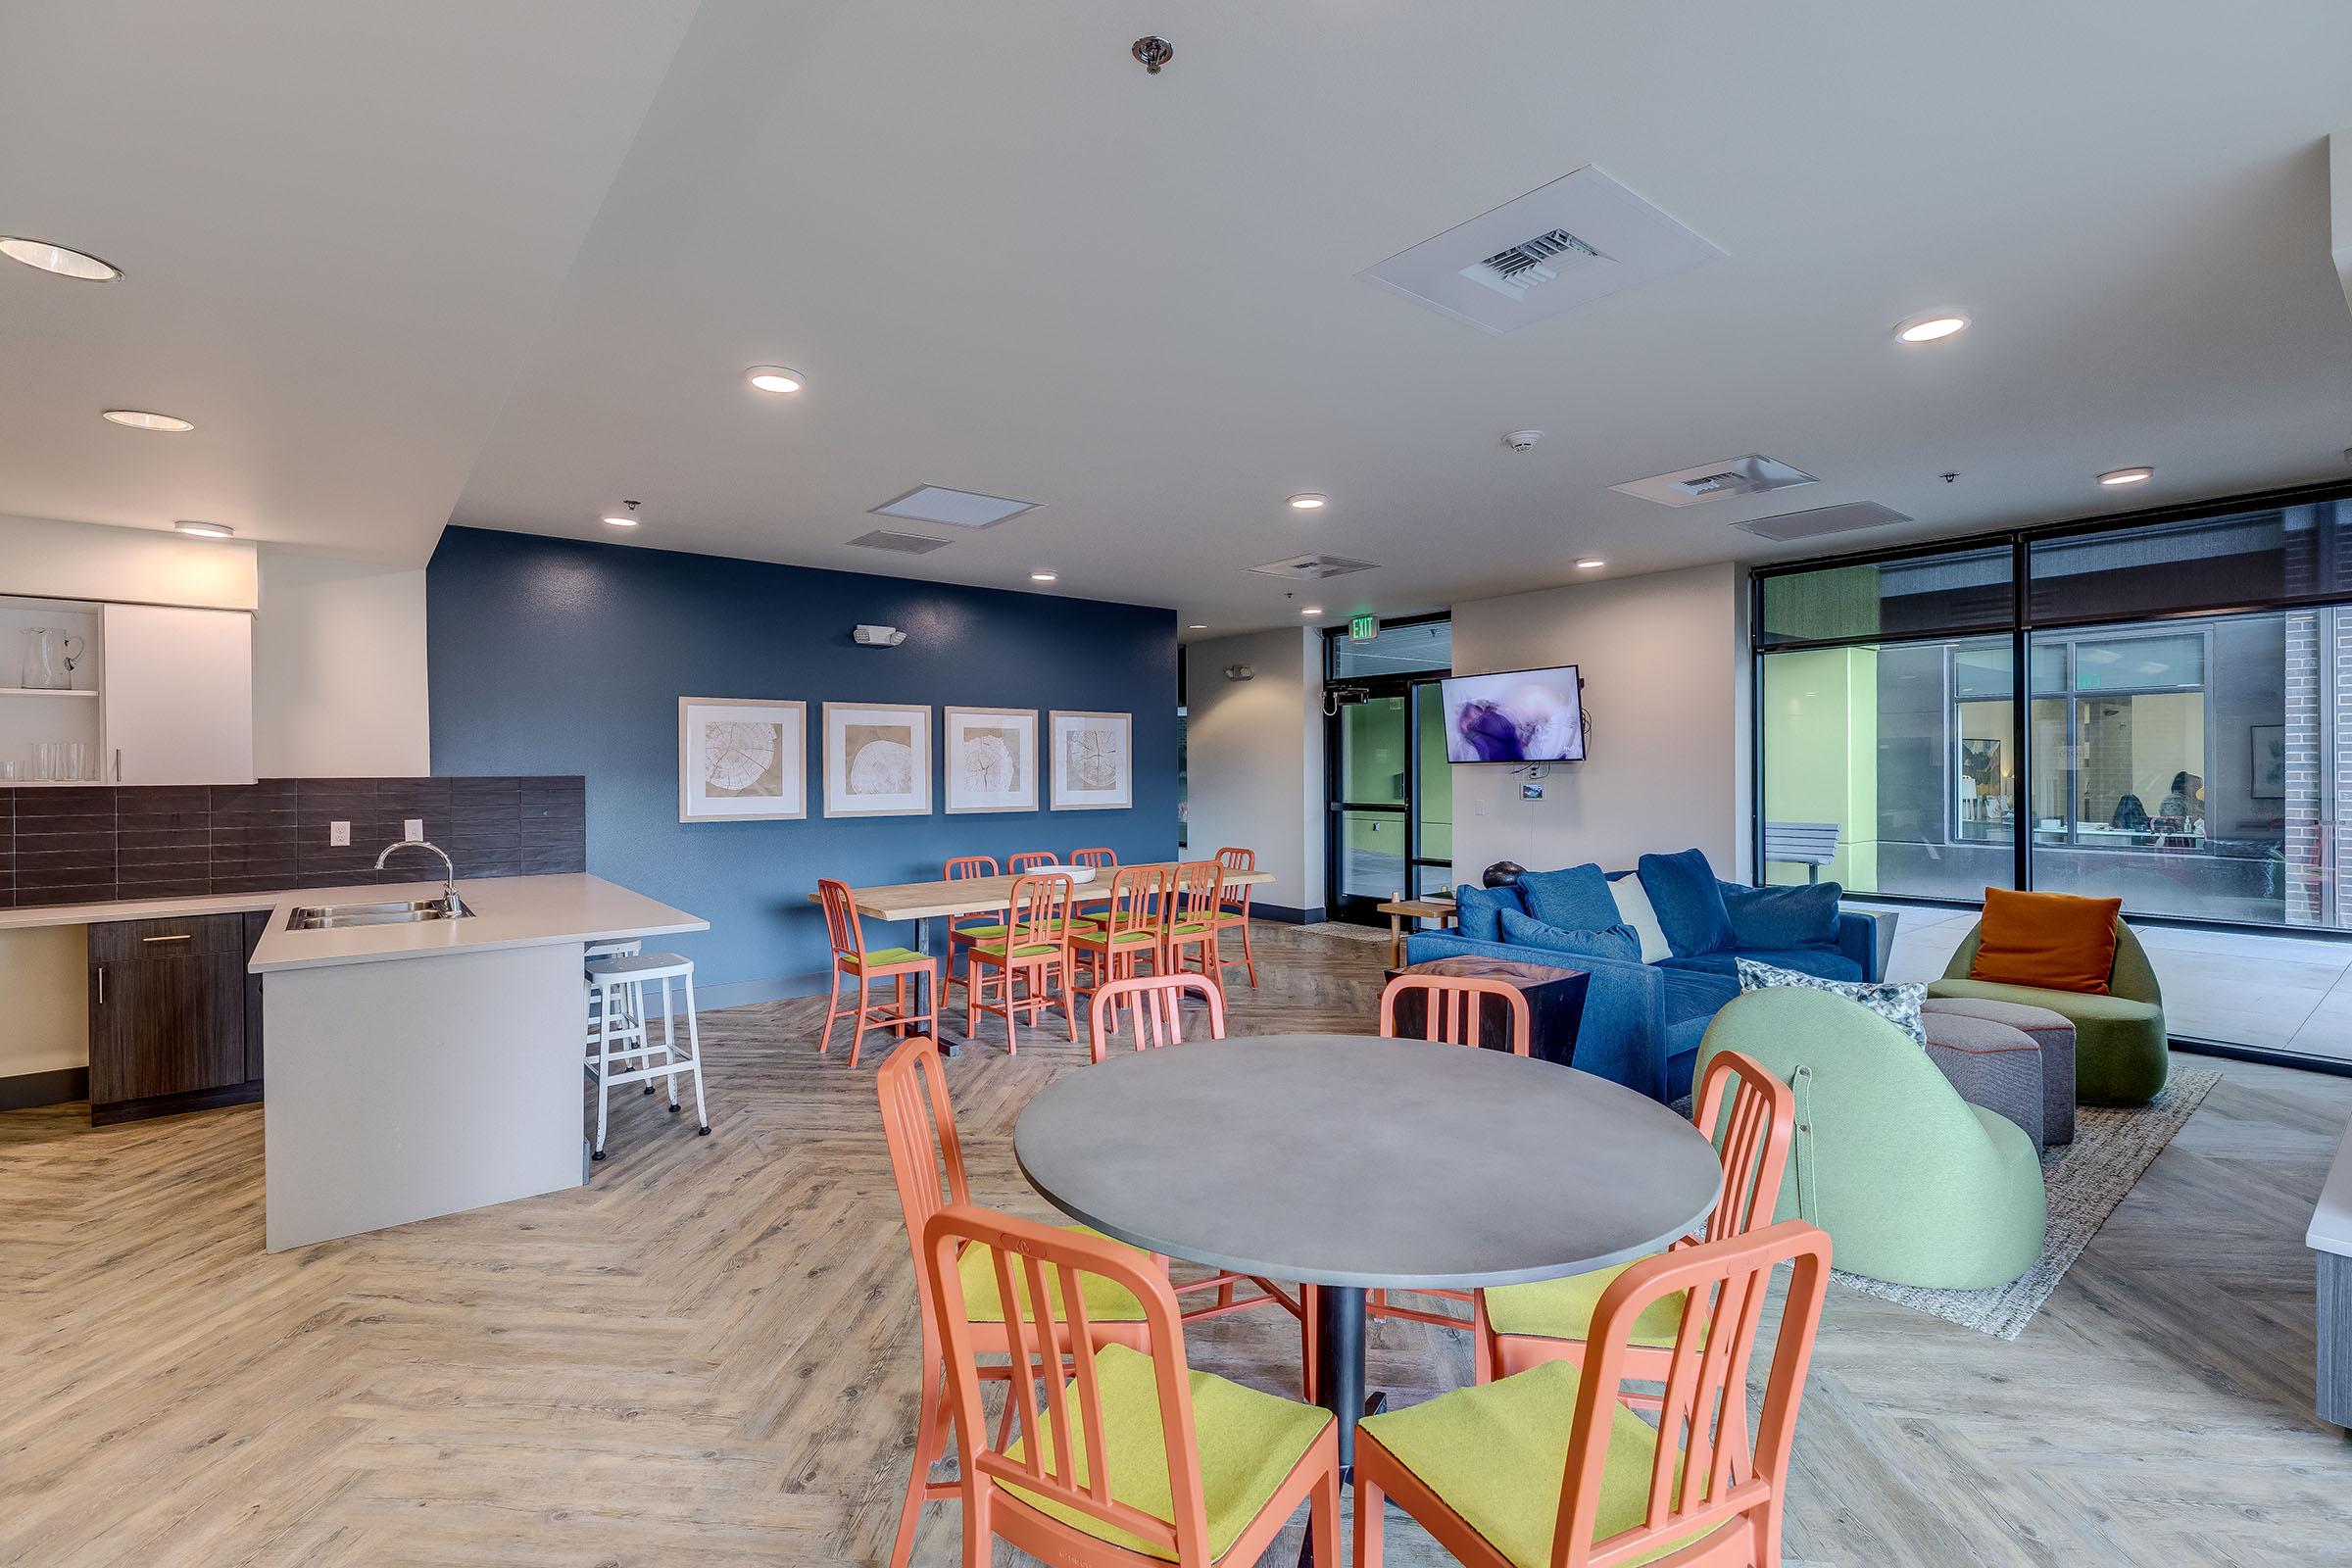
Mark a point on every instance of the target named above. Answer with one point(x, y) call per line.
point(2113, 1148)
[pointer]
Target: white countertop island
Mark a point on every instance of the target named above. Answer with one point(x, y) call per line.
point(424, 1069)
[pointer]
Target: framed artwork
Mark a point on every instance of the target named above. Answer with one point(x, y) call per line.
point(2270, 761)
point(991, 755)
point(1093, 761)
point(877, 760)
point(742, 759)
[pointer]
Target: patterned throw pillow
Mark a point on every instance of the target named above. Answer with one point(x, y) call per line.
point(1898, 1005)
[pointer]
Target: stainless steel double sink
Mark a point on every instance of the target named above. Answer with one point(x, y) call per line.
point(342, 916)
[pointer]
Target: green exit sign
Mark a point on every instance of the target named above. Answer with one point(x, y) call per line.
point(1363, 628)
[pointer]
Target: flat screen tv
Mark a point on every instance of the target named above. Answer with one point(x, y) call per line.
point(1524, 715)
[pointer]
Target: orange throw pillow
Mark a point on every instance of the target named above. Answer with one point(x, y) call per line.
point(2052, 940)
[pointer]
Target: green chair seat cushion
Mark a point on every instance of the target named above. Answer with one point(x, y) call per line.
point(996, 950)
point(1248, 1443)
point(977, 933)
point(983, 1303)
point(1562, 1309)
point(893, 956)
point(2121, 1053)
point(1496, 1454)
point(1192, 928)
point(1118, 938)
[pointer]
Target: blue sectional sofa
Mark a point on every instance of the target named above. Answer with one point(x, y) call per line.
point(1644, 1021)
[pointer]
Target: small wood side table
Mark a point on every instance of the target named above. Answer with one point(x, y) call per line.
point(1399, 910)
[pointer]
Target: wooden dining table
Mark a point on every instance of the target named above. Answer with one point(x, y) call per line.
point(954, 897)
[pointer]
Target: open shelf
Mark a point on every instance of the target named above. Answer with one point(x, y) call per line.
point(45, 691)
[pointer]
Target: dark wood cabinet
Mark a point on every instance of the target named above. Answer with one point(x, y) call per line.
point(175, 1019)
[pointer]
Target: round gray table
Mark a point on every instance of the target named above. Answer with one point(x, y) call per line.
point(1354, 1162)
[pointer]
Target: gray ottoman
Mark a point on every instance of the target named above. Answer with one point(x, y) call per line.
point(2052, 1032)
point(1991, 1064)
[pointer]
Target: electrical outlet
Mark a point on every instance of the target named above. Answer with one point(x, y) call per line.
point(1478, 809)
point(338, 834)
point(413, 829)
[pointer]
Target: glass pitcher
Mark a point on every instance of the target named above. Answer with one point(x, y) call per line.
point(49, 660)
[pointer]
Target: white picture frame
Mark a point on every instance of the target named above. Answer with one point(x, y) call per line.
point(989, 758)
point(1092, 760)
point(742, 759)
point(863, 781)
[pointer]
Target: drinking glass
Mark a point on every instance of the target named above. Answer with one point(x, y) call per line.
point(78, 761)
point(45, 761)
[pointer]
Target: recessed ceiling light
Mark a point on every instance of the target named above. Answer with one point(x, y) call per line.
point(1308, 501)
point(141, 419)
point(774, 379)
point(1044, 577)
point(206, 530)
point(59, 260)
point(1931, 326)
point(2138, 473)
point(1591, 563)
point(1311, 610)
point(619, 522)
point(1198, 625)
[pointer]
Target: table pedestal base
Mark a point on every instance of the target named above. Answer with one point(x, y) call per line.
point(1340, 1383)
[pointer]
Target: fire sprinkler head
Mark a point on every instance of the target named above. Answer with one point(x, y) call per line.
point(1153, 52)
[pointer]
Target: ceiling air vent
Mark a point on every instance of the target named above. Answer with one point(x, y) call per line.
point(1751, 475)
point(905, 544)
point(1541, 260)
point(1854, 515)
point(1592, 237)
point(1312, 569)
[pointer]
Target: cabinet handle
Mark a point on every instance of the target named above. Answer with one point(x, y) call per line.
point(184, 936)
point(118, 764)
point(102, 984)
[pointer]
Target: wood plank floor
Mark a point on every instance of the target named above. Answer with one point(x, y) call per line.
point(707, 1356)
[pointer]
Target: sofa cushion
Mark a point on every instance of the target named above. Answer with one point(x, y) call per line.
point(1897, 1004)
point(1683, 891)
point(1574, 900)
point(1609, 941)
point(1801, 917)
point(1633, 908)
point(1690, 994)
point(2052, 940)
point(1827, 963)
point(1476, 909)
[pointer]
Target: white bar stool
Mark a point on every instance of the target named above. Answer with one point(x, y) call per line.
point(624, 1034)
point(594, 995)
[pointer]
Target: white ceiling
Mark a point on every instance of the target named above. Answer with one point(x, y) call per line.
point(1008, 260)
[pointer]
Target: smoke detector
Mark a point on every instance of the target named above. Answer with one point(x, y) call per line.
point(1523, 440)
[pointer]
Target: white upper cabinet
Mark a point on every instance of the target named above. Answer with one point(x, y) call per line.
point(177, 691)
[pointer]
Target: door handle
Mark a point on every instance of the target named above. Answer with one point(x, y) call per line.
point(184, 936)
point(102, 984)
point(118, 764)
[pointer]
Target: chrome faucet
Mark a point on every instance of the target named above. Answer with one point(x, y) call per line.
point(449, 894)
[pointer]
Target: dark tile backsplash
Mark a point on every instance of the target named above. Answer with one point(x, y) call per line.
point(82, 844)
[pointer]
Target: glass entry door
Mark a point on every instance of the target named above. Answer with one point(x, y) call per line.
point(1391, 805)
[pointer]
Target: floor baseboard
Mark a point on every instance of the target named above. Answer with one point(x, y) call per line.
point(24, 1090)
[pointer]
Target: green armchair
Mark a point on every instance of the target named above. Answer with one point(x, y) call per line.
point(1914, 1184)
point(2121, 1056)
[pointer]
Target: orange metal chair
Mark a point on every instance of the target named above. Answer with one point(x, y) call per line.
point(920, 1127)
point(1454, 1005)
point(1233, 907)
point(1695, 1490)
point(1030, 860)
point(1033, 954)
point(1193, 922)
point(1154, 1008)
point(974, 927)
point(1111, 1473)
point(1094, 857)
point(851, 956)
point(1754, 1115)
point(1132, 927)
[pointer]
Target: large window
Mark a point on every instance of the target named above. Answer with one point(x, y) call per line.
point(1390, 787)
point(2166, 745)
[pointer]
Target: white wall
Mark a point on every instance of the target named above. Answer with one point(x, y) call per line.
point(49, 560)
point(338, 670)
point(1665, 662)
point(1253, 758)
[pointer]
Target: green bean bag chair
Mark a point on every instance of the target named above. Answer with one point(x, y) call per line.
point(1914, 1184)
point(2120, 1052)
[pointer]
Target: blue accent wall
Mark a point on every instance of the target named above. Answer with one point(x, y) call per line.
point(549, 656)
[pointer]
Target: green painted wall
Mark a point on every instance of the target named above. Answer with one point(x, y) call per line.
point(1821, 739)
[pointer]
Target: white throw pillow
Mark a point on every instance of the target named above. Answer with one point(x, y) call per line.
point(1896, 1001)
point(1633, 908)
